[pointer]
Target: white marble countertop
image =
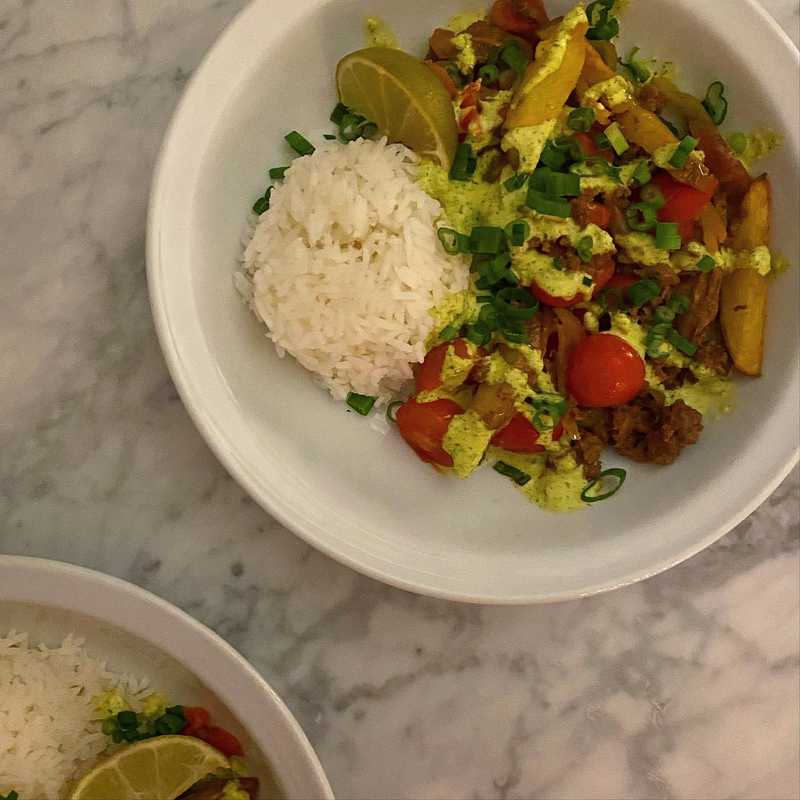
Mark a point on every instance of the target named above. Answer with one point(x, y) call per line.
point(685, 686)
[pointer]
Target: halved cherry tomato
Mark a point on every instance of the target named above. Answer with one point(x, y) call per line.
point(523, 18)
point(468, 116)
point(424, 425)
point(429, 374)
point(520, 436)
point(683, 203)
point(603, 371)
point(196, 719)
point(587, 211)
point(601, 268)
point(223, 740)
point(589, 146)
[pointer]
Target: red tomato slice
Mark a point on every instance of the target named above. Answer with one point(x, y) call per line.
point(519, 436)
point(604, 371)
point(683, 203)
point(429, 374)
point(601, 268)
point(196, 719)
point(623, 281)
point(223, 740)
point(424, 425)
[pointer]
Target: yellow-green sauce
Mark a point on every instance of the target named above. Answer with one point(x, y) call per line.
point(378, 34)
point(466, 441)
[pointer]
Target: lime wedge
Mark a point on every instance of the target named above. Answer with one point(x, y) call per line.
point(403, 98)
point(162, 768)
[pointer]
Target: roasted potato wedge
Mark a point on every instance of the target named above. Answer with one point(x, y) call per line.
point(541, 96)
point(743, 304)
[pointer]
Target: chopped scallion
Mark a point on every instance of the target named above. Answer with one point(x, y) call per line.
point(489, 74)
point(615, 476)
point(338, 113)
point(680, 303)
point(585, 250)
point(516, 304)
point(562, 184)
point(391, 410)
point(643, 292)
point(276, 173)
point(299, 143)
point(551, 206)
point(517, 475)
point(681, 343)
point(642, 174)
point(487, 241)
point(360, 403)
point(641, 217)
point(329, 136)
point(581, 119)
point(592, 167)
point(449, 333)
point(518, 232)
point(664, 314)
point(681, 155)
point(738, 143)
point(616, 139)
point(715, 102)
point(512, 56)
point(464, 163)
point(262, 204)
point(653, 196)
point(453, 241)
point(667, 236)
point(637, 69)
point(516, 181)
point(706, 264)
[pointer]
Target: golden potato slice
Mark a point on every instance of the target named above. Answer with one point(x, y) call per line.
point(743, 304)
point(543, 93)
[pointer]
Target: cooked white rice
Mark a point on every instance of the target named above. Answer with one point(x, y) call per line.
point(346, 265)
point(48, 722)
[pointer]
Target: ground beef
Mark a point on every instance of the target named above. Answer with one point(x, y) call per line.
point(672, 377)
point(587, 451)
point(712, 352)
point(705, 291)
point(647, 431)
point(596, 421)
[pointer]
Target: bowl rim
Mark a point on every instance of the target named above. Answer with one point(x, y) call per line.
point(127, 607)
point(271, 501)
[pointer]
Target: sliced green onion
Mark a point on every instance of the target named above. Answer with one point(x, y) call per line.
point(368, 130)
point(558, 264)
point(638, 70)
point(512, 56)
point(668, 236)
point(715, 102)
point(616, 473)
point(653, 196)
point(655, 339)
point(549, 411)
point(592, 167)
point(604, 26)
point(641, 217)
point(489, 74)
point(601, 140)
point(515, 334)
point(391, 410)
point(448, 333)
point(587, 281)
point(329, 136)
point(616, 139)
point(262, 204)
point(681, 155)
point(551, 206)
point(581, 119)
point(299, 143)
point(360, 403)
point(518, 232)
point(553, 157)
point(562, 184)
point(516, 304)
point(738, 143)
point(706, 264)
point(350, 129)
point(479, 334)
point(585, 249)
point(338, 113)
point(681, 343)
point(642, 175)
point(276, 173)
point(516, 181)
point(127, 720)
point(539, 179)
point(487, 241)
point(664, 314)
point(570, 146)
point(643, 292)
point(679, 303)
point(517, 475)
point(453, 241)
point(464, 163)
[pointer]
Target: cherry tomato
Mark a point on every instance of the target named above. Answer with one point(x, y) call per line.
point(196, 719)
point(429, 374)
point(601, 268)
point(519, 436)
point(683, 203)
point(603, 371)
point(589, 212)
point(223, 740)
point(504, 15)
point(589, 146)
point(424, 425)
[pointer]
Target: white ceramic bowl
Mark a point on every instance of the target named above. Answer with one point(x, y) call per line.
point(359, 494)
point(138, 633)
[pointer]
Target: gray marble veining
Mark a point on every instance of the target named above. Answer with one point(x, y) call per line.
point(685, 686)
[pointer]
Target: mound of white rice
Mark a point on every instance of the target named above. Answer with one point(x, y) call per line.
point(346, 265)
point(48, 722)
